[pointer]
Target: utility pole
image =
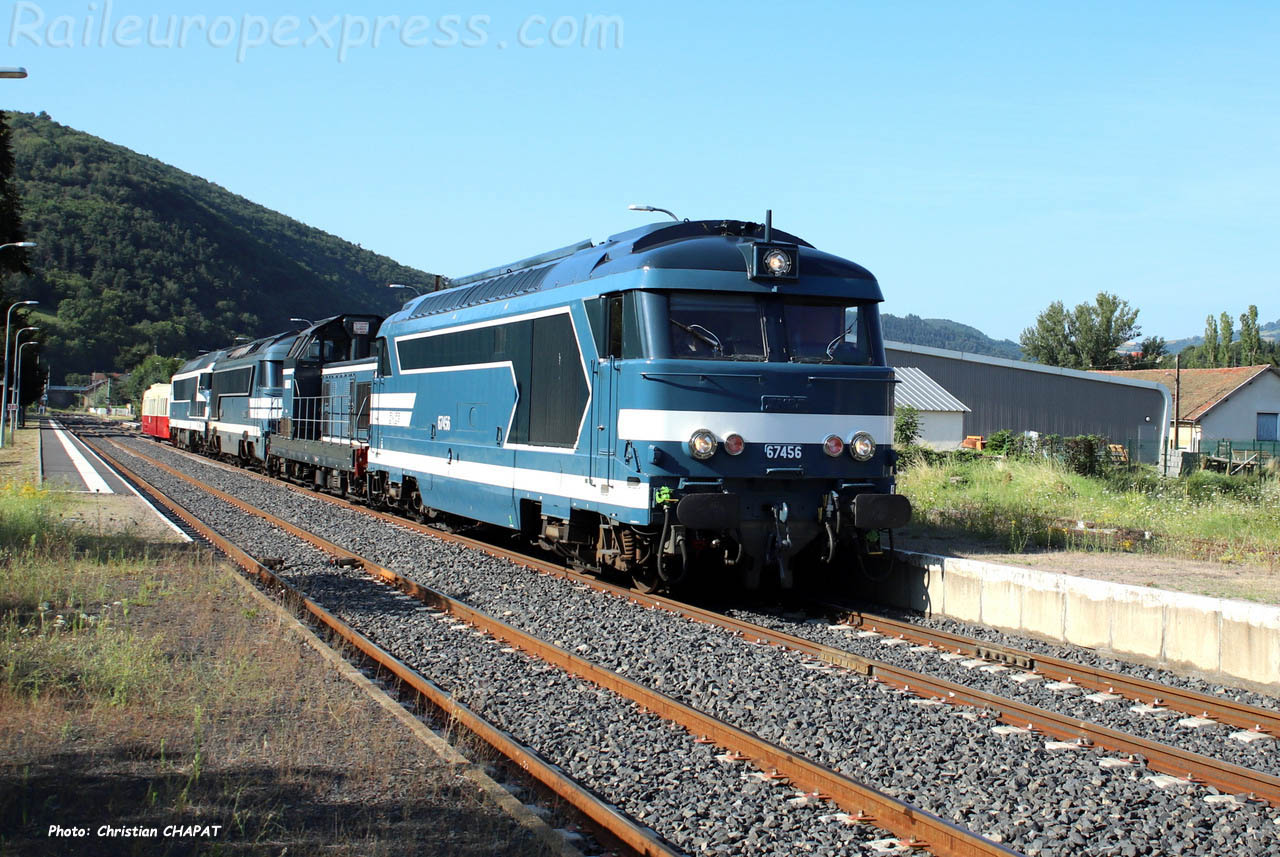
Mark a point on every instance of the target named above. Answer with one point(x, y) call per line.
point(1177, 399)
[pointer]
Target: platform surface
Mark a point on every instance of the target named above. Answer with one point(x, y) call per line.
point(66, 464)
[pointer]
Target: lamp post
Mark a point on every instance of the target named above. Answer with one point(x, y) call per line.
point(303, 321)
point(416, 291)
point(634, 207)
point(8, 319)
point(17, 382)
point(4, 382)
point(17, 337)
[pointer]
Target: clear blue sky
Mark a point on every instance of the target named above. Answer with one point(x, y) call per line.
point(983, 159)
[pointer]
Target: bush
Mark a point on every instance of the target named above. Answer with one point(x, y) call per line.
point(1001, 442)
point(913, 455)
point(906, 426)
point(1084, 453)
point(1204, 485)
point(1142, 481)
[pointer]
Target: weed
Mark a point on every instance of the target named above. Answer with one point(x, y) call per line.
point(1025, 502)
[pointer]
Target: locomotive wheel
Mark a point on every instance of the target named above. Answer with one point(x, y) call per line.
point(645, 578)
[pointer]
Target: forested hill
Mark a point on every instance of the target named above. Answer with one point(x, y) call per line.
point(944, 333)
point(136, 256)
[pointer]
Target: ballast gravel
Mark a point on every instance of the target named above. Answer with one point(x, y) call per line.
point(1009, 787)
point(1162, 724)
point(689, 792)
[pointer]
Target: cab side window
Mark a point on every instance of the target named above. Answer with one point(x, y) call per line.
point(384, 357)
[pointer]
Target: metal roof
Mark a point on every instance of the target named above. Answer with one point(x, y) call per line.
point(921, 392)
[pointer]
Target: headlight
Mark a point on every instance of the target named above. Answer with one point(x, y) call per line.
point(777, 263)
point(863, 446)
point(702, 444)
point(734, 444)
point(833, 445)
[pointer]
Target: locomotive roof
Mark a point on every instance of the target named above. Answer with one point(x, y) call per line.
point(707, 245)
point(202, 361)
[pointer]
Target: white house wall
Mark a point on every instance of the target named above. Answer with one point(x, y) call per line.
point(1236, 417)
point(941, 429)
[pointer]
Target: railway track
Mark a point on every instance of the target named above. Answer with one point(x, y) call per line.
point(1224, 777)
point(1252, 718)
point(916, 830)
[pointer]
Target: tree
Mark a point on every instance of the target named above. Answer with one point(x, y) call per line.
point(1250, 338)
point(1225, 335)
point(1209, 351)
point(1151, 351)
point(11, 231)
point(1085, 338)
point(12, 259)
point(154, 369)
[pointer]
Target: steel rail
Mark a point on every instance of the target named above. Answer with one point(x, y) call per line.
point(639, 839)
point(1160, 757)
point(1139, 689)
point(917, 827)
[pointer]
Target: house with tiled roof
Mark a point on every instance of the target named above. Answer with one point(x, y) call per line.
point(1241, 403)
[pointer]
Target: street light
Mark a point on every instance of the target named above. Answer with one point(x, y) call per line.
point(303, 321)
point(17, 337)
point(17, 382)
point(653, 208)
point(416, 291)
point(23, 244)
point(13, 71)
point(8, 318)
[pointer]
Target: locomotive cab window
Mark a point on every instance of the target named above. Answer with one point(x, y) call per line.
point(797, 329)
point(271, 373)
point(384, 357)
point(613, 325)
point(826, 332)
point(716, 326)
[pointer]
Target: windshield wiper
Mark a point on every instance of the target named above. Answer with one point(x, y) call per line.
point(701, 333)
point(831, 346)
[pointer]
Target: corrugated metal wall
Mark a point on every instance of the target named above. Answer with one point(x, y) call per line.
point(1010, 397)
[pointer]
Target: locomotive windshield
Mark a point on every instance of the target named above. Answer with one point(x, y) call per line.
point(719, 326)
point(716, 327)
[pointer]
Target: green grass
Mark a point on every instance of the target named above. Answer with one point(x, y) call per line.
point(45, 560)
point(147, 688)
point(1020, 502)
point(58, 616)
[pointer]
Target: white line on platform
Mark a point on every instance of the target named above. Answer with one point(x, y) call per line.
point(92, 479)
point(139, 495)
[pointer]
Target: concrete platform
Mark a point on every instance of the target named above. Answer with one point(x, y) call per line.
point(1219, 638)
point(66, 464)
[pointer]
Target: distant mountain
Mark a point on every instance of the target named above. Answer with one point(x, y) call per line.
point(944, 333)
point(136, 256)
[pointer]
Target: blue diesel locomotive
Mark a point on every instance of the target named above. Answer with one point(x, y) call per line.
point(680, 398)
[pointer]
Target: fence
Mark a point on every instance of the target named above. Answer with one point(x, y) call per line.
point(1240, 456)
